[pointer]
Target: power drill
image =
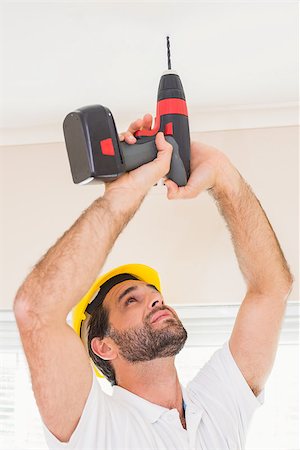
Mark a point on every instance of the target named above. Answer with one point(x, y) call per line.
point(96, 153)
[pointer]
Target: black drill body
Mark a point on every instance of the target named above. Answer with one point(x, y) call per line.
point(96, 154)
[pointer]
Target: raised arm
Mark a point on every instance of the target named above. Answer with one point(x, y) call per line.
point(255, 335)
point(59, 366)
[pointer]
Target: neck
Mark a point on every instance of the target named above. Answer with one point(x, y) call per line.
point(155, 381)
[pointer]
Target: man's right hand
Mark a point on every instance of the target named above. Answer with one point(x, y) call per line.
point(140, 180)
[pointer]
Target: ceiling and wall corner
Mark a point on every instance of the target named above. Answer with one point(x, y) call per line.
point(238, 65)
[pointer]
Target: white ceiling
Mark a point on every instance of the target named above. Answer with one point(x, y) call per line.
point(230, 56)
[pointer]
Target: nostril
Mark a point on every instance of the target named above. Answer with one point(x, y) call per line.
point(154, 303)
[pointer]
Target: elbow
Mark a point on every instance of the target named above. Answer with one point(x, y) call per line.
point(21, 308)
point(25, 314)
point(288, 285)
point(278, 288)
point(32, 313)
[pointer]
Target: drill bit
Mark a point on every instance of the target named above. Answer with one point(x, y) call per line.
point(169, 53)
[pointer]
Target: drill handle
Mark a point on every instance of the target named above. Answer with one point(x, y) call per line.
point(135, 155)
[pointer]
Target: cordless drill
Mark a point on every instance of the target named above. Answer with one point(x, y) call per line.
point(96, 153)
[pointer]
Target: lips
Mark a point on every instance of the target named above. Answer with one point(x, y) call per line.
point(159, 315)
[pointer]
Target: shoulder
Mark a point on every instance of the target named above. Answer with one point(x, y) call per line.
point(94, 417)
point(220, 382)
point(221, 391)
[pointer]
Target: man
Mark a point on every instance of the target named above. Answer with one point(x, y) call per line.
point(149, 409)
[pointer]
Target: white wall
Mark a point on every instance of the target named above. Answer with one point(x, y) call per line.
point(186, 241)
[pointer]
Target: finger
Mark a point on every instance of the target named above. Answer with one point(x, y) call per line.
point(147, 122)
point(129, 138)
point(135, 126)
point(144, 123)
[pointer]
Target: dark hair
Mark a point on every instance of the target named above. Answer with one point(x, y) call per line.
point(99, 327)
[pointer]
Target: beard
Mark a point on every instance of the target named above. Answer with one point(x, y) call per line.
point(147, 343)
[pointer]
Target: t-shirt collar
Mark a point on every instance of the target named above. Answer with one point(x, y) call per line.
point(149, 410)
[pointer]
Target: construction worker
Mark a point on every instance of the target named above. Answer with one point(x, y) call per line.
point(132, 335)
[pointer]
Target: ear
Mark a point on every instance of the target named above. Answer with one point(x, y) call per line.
point(103, 348)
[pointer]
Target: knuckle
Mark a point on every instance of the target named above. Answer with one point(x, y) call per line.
point(128, 134)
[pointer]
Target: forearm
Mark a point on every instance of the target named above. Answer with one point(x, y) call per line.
point(69, 268)
point(258, 251)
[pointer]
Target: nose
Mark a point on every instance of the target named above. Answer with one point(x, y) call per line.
point(155, 300)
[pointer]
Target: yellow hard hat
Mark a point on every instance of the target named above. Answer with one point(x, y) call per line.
point(82, 311)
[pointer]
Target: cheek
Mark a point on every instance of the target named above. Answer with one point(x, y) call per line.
point(131, 318)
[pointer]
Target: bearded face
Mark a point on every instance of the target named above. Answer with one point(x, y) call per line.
point(160, 335)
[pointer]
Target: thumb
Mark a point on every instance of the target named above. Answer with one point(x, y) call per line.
point(164, 153)
point(171, 187)
point(149, 173)
point(175, 192)
point(200, 180)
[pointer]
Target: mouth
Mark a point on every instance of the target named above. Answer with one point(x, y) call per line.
point(160, 315)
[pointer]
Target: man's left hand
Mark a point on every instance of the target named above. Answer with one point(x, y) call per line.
point(210, 169)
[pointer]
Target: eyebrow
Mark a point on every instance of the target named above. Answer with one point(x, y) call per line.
point(134, 288)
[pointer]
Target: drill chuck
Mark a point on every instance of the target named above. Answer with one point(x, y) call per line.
point(170, 86)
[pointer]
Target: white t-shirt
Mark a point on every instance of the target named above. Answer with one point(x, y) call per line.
point(219, 406)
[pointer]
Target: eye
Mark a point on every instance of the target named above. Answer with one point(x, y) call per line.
point(130, 300)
